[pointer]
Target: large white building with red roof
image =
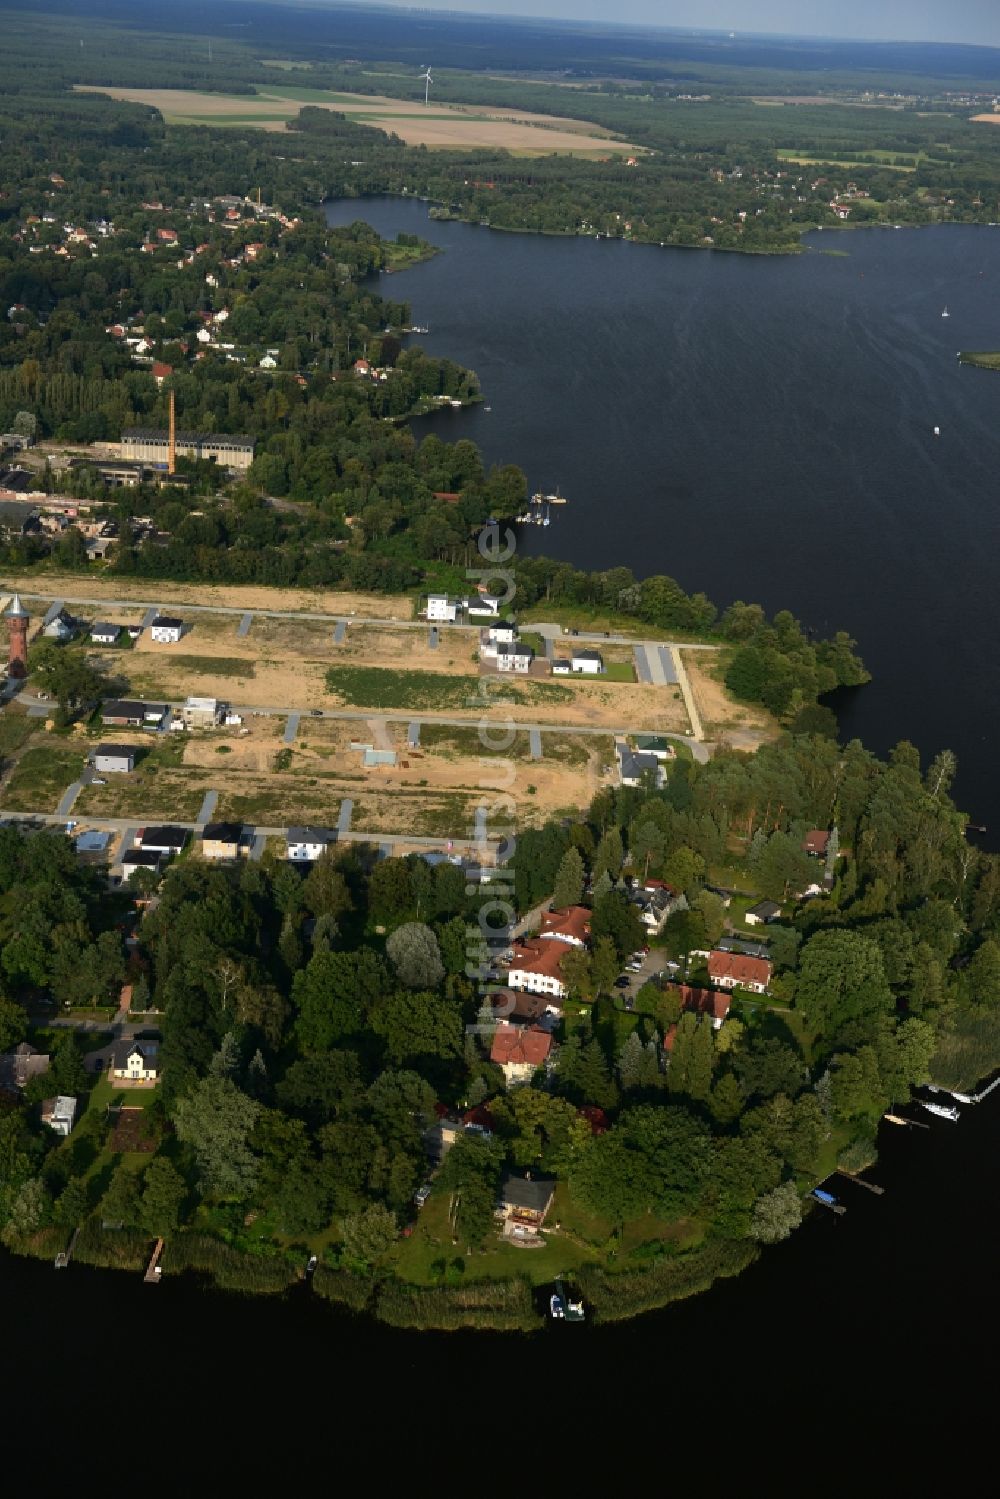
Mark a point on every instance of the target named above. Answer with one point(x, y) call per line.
point(571, 924)
point(519, 1051)
point(729, 970)
point(536, 965)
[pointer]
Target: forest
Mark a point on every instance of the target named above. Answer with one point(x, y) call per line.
point(315, 1026)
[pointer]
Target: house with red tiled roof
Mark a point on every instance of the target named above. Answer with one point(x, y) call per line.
point(537, 967)
point(710, 1002)
point(731, 969)
point(816, 842)
point(519, 1051)
point(161, 371)
point(571, 924)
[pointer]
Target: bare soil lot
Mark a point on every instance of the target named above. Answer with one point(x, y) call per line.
point(742, 725)
point(98, 585)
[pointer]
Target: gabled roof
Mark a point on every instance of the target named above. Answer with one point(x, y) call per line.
point(222, 832)
point(534, 1193)
point(520, 1046)
point(702, 1001)
point(765, 909)
point(816, 841)
point(537, 955)
point(571, 921)
point(741, 969)
point(148, 1050)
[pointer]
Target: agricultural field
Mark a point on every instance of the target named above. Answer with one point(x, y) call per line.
point(445, 126)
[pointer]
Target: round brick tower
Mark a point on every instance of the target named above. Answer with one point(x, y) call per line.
point(17, 621)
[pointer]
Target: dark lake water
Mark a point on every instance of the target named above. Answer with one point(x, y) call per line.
point(760, 428)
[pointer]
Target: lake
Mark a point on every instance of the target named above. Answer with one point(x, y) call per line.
point(759, 427)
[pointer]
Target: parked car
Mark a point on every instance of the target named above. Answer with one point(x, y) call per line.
point(421, 1195)
point(315, 712)
point(623, 981)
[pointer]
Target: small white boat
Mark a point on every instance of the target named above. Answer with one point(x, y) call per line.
point(937, 431)
point(946, 313)
point(941, 1110)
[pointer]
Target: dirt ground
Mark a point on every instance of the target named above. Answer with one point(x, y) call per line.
point(443, 125)
point(224, 595)
point(374, 645)
point(740, 724)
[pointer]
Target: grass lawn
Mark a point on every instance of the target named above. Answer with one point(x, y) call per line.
point(428, 691)
point(16, 728)
point(618, 671)
point(431, 1240)
point(105, 1092)
point(466, 743)
point(42, 775)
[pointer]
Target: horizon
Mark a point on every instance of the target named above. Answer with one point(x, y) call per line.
point(969, 22)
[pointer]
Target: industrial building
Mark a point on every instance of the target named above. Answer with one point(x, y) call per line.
point(152, 445)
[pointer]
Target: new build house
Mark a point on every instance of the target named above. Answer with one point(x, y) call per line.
point(104, 633)
point(124, 713)
point(166, 630)
point(221, 840)
point(305, 845)
point(441, 608)
point(163, 840)
point(118, 759)
point(536, 965)
point(590, 663)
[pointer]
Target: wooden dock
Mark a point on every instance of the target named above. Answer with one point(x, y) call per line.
point(65, 1255)
point(154, 1269)
point(860, 1182)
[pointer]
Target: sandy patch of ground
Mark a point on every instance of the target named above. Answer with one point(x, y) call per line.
point(990, 119)
point(372, 645)
point(443, 125)
point(229, 596)
point(741, 724)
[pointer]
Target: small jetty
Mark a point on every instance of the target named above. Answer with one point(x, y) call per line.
point(907, 1123)
point(65, 1255)
point(562, 1307)
point(859, 1181)
point(941, 1110)
point(154, 1269)
point(827, 1200)
point(539, 509)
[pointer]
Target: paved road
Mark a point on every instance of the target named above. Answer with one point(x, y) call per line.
point(688, 695)
point(545, 629)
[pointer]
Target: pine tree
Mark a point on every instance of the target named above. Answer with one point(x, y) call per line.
point(569, 881)
point(226, 1061)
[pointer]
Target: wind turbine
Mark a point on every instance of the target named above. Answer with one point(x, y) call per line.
point(428, 80)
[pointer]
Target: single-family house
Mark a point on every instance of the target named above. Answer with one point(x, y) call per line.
point(524, 1205)
point(126, 713)
point(59, 1113)
point(268, 362)
point(560, 666)
point(729, 969)
point(104, 633)
point(590, 663)
point(201, 712)
point(816, 842)
point(654, 906)
point(654, 744)
point(61, 627)
point(517, 1004)
point(440, 607)
point(536, 965)
point(519, 1051)
point(135, 1062)
point(517, 658)
point(711, 1002)
point(161, 371)
point(764, 912)
point(98, 548)
point(633, 766)
point(118, 759)
point(162, 839)
point(305, 845)
point(504, 632)
point(92, 842)
point(134, 859)
point(19, 1066)
point(166, 630)
point(744, 945)
point(221, 840)
point(571, 924)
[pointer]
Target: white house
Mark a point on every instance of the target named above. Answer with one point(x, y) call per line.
point(166, 630)
point(103, 633)
point(162, 840)
point(504, 632)
point(135, 1062)
point(268, 362)
point(514, 658)
point(116, 758)
point(58, 1113)
point(537, 967)
point(201, 712)
point(305, 845)
point(60, 628)
point(588, 662)
point(441, 607)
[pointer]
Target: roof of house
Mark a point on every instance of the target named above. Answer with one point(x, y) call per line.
point(24, 1062)
point(162, 837)
point(16, 513)
point(62, 1107)
point(104, 627)
point(222, 832)
point(118, 750)
point(740, 944)
point(527, 1046)
point(633, 765)
point(141, 858)
point(517, 1004)
point(480, 1118)
point(207, 439)
point(538, 956)
point(530, 1192)
point(122, 1050)
point(738, 967)
point(123, 707)
point(702, 1001)
point(765, 909)
point(167, 622)
point(310, 835)
point(816, 841)
point(587, 656)
point(92, 842)
point(571, 921)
